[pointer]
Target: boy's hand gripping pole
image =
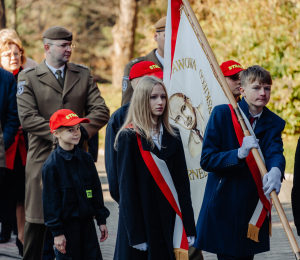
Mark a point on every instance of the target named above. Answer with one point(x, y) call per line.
point(215, 65)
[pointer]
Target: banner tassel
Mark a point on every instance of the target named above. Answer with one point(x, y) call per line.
point(181, 254)
point(253, 232)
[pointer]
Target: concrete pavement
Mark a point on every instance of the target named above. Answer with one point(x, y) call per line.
point(280, 247)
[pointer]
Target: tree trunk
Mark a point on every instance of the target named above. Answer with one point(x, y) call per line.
point(2, 15)
point(123, 36)
point(14, 15)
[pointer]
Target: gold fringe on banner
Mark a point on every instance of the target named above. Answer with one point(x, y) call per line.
point(253, 232)
point(181, 254)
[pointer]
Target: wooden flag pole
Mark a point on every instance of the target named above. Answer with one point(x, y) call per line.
point(233, 102)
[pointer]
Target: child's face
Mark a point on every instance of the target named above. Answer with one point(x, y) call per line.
point(69, 136)
point(255, 94)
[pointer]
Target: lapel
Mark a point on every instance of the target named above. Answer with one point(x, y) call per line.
point(46, 76)
point(71, 77)
point(264, 123)
point(152, 57)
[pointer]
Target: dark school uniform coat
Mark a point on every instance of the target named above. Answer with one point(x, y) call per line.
point(127, 89)
point(145, 213)
point(231, 195)
point(8, 112)
point(114, 124)
point(71, 189)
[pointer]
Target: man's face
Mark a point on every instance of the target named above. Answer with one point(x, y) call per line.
point(255, 94)
point(60, 50)
point(181, 111)
point(159, 37)
point(234, 83)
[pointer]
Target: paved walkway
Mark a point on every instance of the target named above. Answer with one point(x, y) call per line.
point(280, 247)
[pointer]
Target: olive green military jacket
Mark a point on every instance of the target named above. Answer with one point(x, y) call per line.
point(2, 150)
point(127, 89)
point(39, 95)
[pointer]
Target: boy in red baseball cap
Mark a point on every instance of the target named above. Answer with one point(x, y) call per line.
point(72, 193)
point(231, 70)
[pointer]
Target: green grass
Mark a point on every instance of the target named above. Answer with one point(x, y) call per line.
point(113, 98)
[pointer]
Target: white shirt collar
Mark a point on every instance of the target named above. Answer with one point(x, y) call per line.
point(53, 70)
point(160, 58)
point(256, 116)
point(155, 139)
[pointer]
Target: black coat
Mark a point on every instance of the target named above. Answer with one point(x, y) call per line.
point(113, 126)
point(145, 213)
point(296, 190)
point(71, 189)
point(8, 107)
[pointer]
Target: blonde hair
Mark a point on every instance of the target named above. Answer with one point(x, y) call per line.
point(139, 115)
point(9, 36)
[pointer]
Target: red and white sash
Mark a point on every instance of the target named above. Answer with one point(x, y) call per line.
point(160, 173)
point(263, 206)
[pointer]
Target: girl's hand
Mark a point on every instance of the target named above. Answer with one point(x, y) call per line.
point(104, 233)
point(60, 243)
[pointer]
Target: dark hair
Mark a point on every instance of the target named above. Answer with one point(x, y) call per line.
point(256, 73)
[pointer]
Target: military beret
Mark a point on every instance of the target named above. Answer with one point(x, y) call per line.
point(58, 33)
point(160, 25)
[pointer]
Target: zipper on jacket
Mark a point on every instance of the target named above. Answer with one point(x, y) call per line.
point(213, 199)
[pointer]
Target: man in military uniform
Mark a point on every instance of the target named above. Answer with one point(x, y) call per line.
point(156, 56)
point(54, 84)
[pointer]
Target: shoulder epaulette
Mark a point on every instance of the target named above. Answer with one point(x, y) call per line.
point(137, 60)
point(28, 69)
point(82, 66)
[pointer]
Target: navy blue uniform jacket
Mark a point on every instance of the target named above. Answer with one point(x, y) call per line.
point(66, 179)
point(231, 195)
point(145, 215)
point(113, 126)
point(8, 107)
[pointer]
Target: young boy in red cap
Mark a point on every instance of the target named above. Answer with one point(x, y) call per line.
point(72, 193)
point(139, 70)
point(231, 70)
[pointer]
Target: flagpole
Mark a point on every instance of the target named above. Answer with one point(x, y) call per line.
point(233, 102)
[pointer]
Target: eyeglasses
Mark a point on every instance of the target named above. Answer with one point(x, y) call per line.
point(16, 55)
point(65, 46)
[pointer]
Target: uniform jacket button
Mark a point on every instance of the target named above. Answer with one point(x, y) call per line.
point(64, 101)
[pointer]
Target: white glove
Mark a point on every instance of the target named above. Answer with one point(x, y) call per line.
point(191, 240)
point(142, 247)
point(272, 181)
point(249, 142)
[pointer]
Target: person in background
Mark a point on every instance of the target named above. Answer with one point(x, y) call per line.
point(231, 70)
point(52, 85)
point(296, 190)
point(9, 128)
point(138, 71)
point(156, 56)
point(12, 190)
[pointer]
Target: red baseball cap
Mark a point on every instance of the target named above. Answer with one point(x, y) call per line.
point(230, 68)
point(145, 68)
point(65, 117)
